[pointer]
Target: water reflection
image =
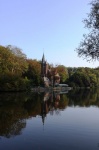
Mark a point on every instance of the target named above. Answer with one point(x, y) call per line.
point(50, 103)
point(84, 97)
point(16, 108)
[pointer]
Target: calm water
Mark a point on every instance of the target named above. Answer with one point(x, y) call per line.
point(50, 121)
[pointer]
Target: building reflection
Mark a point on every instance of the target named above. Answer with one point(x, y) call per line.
point(49, 103)
point(15, 109)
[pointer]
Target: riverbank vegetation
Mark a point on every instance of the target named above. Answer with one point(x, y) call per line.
point(18, 73)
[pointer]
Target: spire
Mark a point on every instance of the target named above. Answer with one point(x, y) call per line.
point(43, 58)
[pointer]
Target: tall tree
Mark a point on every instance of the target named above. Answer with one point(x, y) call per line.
point(16, 51)
point(34, 71)
point(20, 64)
point(89, 46)
point(6, 60)
point(12, 68)
point(63, 72)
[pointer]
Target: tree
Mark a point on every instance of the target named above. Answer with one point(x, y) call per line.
point(12, 68)
point(89, 46)
point(34, 71)
point(84, 77)
point(6, 60)
point(16, 51)
point(63, 72)
point(20, 64)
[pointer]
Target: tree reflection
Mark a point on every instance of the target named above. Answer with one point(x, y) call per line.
point(84, 97)
point(16, 108)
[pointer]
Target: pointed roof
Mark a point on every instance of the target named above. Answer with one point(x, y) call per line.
point(43, 58)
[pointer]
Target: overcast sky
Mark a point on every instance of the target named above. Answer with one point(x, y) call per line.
point(54, 27)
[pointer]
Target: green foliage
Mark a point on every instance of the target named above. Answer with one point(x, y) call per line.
point(84, 77)
point(10, 82)
point(89, 47)
point(17, 73)
point(12, 68)
point(9, 62)
point(34, 71)
point(63, 72)
point(6, 60)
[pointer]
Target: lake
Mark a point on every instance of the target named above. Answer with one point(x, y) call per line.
point(50, 121)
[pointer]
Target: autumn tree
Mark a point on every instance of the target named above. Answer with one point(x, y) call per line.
point(6, 60)
point(34, 71)
point(20, 64)
point(89, 46)
point(12, 68)
point(63, 72)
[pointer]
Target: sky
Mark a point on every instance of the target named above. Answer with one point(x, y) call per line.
point(52, 27)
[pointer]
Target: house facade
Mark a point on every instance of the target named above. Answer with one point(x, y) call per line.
point(49, 75)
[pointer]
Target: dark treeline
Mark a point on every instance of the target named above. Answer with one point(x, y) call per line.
point(17, 73)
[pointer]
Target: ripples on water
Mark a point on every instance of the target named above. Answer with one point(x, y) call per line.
point(49, 121)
